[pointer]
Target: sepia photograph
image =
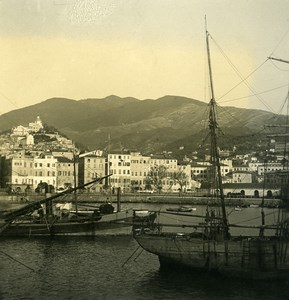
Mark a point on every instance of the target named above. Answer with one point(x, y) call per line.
point(143, 149)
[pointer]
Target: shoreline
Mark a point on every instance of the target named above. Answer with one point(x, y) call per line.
point(21, 200)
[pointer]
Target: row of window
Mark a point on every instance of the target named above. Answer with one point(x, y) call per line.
point(36, 165)
point(138, 161)
point(42, 173)
point(120, 172)
point(32, 182)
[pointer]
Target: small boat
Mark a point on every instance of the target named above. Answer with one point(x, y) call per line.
point(254, 205)
point(237, 208)
point(181, 209)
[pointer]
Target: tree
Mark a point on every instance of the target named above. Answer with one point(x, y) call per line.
point(180, 178)
point(155, 177)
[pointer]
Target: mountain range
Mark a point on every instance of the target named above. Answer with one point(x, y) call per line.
point(170, 123)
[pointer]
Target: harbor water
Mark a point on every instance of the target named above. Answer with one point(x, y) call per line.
point(113, 267)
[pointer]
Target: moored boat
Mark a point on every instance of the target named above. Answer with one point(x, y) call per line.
point(35, 220)
point(181, 209)
point(209, 244)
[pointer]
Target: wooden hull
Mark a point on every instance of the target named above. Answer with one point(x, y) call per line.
point(241, 257)
point(110, 224)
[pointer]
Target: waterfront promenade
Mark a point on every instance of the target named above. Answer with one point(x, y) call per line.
point(162, 198)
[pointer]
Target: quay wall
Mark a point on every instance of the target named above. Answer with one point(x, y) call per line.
point(141, 198)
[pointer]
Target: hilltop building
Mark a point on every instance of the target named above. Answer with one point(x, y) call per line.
point(33, 127)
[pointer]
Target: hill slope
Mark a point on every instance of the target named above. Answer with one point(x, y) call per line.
point(145, 125)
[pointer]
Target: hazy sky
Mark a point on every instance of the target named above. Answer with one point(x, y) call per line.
point(82, 49)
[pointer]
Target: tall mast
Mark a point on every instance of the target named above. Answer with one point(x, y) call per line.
point(75, 184)
point(215, 159)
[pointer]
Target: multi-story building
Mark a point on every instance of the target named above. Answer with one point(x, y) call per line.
point(32, 128)
point(67, 173)
point(242, 177)
point(139, 169)
point(35, 126)
point(89, 168)
point(200, 171)
point(18, 171)
point(269, 167)
point(45, 170)
point(120, 168)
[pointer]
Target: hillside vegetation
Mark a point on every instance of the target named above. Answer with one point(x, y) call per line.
point(170, 123)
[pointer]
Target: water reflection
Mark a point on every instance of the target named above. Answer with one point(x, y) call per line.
point(104, 268)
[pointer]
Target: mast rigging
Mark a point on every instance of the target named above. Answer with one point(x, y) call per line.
point(215, 159)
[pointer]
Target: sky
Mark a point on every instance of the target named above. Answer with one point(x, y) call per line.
point(146, 49)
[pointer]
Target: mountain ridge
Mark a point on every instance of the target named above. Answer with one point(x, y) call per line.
point(145, 125)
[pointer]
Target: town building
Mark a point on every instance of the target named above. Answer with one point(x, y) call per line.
point(45, 170)
point(67, 173)
point(140, 167)
point(89, 168)
point(120, 168)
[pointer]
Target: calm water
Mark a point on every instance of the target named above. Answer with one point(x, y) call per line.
point(112, 268)
point(86, 268)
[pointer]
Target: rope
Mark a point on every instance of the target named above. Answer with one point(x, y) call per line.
point(242, 77)
point(19, 262)
point(131, 256)
point(278, 44)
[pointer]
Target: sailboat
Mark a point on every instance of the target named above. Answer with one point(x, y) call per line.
point(210, 245)
point(40, 218)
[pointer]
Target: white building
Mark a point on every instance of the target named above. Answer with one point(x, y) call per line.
point(140, 167)
point(120, 168)
point(35, 126)
point(45, 170)
point(20, 131)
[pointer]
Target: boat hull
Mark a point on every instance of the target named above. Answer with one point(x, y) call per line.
point(240, 257)
point(110, 224)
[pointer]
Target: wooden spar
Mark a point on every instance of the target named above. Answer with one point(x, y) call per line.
point(118, 199)
point(215, 159)
point(278, 59)
point(273, 226)
point(35, 205)
point(189, 215)
point(74, 179)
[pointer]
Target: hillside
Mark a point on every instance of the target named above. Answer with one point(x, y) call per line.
point(167, 123)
